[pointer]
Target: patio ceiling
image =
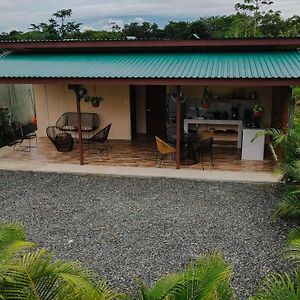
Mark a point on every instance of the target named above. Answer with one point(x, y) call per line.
point(263, 67)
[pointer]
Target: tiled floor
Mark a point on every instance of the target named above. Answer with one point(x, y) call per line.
point(138, 153)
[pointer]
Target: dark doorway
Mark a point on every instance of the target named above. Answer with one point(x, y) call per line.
point(156, 110)
point(133, 111)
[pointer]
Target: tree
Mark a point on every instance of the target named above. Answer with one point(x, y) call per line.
point(220, 26)
point(199, 27)
point(271, 24)
point(253, 11)
point(11, 36)
point(98, 35)
point(291, 27)
point(177, 30)
point(53, 30)
point(145, 30)
point(63, 14)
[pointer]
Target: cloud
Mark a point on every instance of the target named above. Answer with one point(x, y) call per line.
point(21, 13)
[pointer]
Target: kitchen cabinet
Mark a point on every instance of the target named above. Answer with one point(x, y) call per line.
point(224, 130)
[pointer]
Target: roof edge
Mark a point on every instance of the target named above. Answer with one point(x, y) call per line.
point(202, 43)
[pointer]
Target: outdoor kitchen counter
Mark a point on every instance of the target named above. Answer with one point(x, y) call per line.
point(219, 125)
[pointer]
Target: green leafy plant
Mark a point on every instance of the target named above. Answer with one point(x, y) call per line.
point(209, 277)
point(257, 108)
point(33, 274)
point(284, 286)
point(279, 287)
point(94, 100)
point(286, 149)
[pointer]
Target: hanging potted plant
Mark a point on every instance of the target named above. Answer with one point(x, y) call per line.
point(94, 100)
point(205, 98)
point(257, 111)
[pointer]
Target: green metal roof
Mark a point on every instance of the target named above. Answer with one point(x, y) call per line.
point(230, 65)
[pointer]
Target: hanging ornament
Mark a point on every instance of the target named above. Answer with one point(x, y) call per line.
point(174, 96)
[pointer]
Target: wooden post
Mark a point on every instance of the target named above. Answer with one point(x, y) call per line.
point(79, 126)
point(178, 129)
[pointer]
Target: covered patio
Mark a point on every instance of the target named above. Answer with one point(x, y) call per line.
point(136, 77)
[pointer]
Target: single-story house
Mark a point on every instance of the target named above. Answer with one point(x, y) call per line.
point(159, 87)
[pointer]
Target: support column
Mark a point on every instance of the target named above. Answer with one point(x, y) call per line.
point(79, 126)
point(178, 129)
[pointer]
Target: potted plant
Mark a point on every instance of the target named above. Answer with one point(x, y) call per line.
point(205, 103)
point(3, 118)
point(94, 100)
point(257, 111)
point(205, 98)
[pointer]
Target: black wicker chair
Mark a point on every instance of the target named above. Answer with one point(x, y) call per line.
point(69, 121)
point(16, 133)
point(101, 137)
point(61, 139)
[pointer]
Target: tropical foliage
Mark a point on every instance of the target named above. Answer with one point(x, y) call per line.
point(279, 287)
point(284, 286)
point(209, 278)
point(33, 274)
point(286, 149)
point(253, 18)
point(27, 272)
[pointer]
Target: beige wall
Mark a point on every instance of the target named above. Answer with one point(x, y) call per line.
point(53, 100)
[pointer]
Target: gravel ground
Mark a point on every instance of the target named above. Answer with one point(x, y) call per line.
point(146, 227)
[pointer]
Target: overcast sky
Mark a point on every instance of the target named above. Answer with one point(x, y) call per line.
point(19, 14)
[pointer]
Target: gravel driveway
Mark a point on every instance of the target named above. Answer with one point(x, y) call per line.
point(146, 227)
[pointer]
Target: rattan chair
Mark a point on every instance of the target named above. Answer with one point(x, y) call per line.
point(62, 140)
point(101, 137)
point(163, 150)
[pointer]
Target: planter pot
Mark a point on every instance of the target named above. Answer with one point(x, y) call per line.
point(96, 104)
point(257, 114)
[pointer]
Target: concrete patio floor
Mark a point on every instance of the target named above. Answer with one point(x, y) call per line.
point(168, 172)
point(237, 176)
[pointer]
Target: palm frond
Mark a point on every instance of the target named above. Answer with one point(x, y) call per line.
point(167, 287)
point(289, 207)
point(36, 275)
point(11, 232)
point(14, 250)
point(278, 137)
point(292, 251)
point(291, 171)
point(207, 277)
point(294, 235)
point(279, 287)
